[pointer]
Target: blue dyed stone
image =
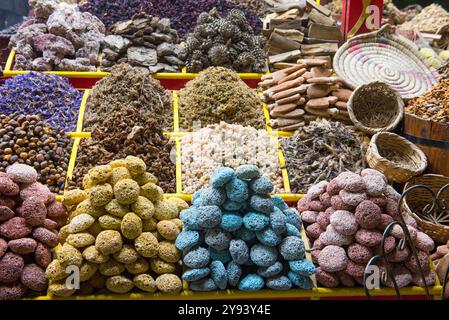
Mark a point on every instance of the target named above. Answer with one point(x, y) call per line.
point(251, 282)
point(197, 258)
point(187, 239)
point(292, 248)
point(271, 271)
point(279, 283)
point(261, 203)
point(279, 202)
point(244, 234)
point(300, 281)
point(234, 272)
point(239, 251)
point(223, 255)
point(209, 216)
point(268, 237)
point(237, 190)
point(303, 267)
point(247, 172)
point(232, 205)
point(212, 197)
point(221, 176)
point(278, 221)
point(261, 185)
point(205, 284)
point(189, 217)
point(231, 221)
point(218, 274)
point(293, 217)
point(217, 238)
point(195, 274)
point(292, 230)
point(262, 255)
point(255, 221)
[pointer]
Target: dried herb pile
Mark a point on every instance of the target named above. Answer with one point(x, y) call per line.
point(128, 86)
point(122, 133)
point(218, 94)
point(224, 41)
point(50, 96)
point(433, 105)
point(320, 151)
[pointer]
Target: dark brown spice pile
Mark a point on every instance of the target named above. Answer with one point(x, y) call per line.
point(124, 133)
point(128, 86)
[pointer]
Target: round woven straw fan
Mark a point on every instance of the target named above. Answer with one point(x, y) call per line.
point(384, 56)
point(375, 107)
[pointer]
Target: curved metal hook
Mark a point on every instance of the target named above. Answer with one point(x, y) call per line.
point(427, 209)
point(389, 271)
point(441, 201)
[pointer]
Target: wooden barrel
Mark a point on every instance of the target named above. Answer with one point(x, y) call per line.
point(433, 138)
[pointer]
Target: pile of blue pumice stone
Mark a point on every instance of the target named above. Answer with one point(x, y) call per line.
point(236, 236)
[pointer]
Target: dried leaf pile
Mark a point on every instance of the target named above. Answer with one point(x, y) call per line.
point(320, 151)
point(434, 105)
point(218, 94)
point(128, 86)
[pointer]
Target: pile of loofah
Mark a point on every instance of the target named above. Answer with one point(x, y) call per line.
point(236, 235)
point(346, 219)
point(228, 42)
point(29, 219)
point(120, 234)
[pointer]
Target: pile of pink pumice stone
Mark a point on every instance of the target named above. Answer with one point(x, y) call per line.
point(345, 220)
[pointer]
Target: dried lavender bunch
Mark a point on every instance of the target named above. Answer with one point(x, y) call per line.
point(227, 42)
point(50, 96)
point(320, 151)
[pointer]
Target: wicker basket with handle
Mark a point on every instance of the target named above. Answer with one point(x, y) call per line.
point(436, 222)
point(396, 157)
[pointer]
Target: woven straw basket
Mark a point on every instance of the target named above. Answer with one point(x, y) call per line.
point(375, 107)
point(396, 157)
point(436, 224)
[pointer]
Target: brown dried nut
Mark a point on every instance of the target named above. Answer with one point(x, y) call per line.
point(100, 174)
point(92, 254)
point(145, 282)
point(11, 266)
point(60, 289)
point(118, 174)
point(68, 255)
point(126, 255)
point(74, 197)
point(119, 284)
point(164, 210)
point(22, 246)
point(152, 192)
point(131, 226)
point(47, 237)
point(34, 277)
point(146, 245)
point(149, 225)
point(109, 242)
point(80, 223)
point(42, 255)
point(110, 222)
point(6, 213)
point(168, 229)
point(169, 283)
point(80, 240)
point(55, 271)
point(34, 211)
point(160, 266)
point(135, 165)
point(168, 252)
point(111, 268)
point(98, 281)
point(138, 267)
point(117, 209)
point(126, 191)
point(101, 194)
point(143, 207)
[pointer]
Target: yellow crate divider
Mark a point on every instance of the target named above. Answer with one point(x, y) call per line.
point(175, 111)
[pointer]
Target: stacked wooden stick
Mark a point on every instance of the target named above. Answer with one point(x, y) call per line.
point(304, 92)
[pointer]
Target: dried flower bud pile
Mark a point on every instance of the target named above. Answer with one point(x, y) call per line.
point(28, 140)
point(128, 86)
point(218, 94)
point(346, 218)
point(320, 151)
point(120, 234)
point(123, 133)
point(29, 219)
point(60, 37)
point(230, 146)
point(144, 41)
point(236, 235)
point(227, 42)
point(302, 93)
point(47, 95)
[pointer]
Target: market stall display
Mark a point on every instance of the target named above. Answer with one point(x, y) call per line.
point(383, 56)
point(29, 221)
point(236, 235)
point(218, 94)
point(60, 37)
point(120, 233)
point(142, 41)
point(49, 96)
point(346, 218)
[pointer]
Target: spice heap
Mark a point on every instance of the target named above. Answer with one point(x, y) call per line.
point(227, 42)
point(60, 37)
point(29, 219)
point(256, 6)
point(440, 259)
point(120, 234)
point(182, 14)
point(434, 104)
point(430, 19)
point(302, 93)
point(144, 41)
point(218, 94)
point(230, 146)
point(346, 218)
point(28, 140)
point(128, 86)
point(320, 151)
point(236, 235)
point(123, 133)
point(49, 96)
